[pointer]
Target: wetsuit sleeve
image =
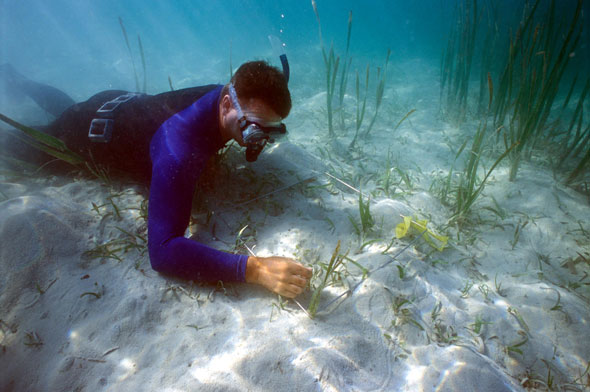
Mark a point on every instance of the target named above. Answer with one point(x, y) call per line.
point(170, 203)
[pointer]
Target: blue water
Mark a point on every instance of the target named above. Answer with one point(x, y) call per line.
point(81, 43)
point(79, 46)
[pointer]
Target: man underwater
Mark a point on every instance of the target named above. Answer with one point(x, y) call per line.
point(168, 139)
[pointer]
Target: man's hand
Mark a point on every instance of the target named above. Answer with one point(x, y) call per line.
point(281, 275)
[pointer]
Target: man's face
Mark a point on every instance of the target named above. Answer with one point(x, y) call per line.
point(254, 110)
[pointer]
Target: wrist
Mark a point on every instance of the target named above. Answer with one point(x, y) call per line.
point(252, 269)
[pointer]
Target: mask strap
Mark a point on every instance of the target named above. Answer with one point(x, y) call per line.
point(234, 99)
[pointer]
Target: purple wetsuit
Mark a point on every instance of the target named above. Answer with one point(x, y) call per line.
point(179, 151)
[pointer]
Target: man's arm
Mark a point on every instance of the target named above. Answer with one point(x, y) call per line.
point(169, 212)
point(170, 204)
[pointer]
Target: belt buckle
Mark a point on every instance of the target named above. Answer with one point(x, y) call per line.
point(101, 130)
point(109, 107)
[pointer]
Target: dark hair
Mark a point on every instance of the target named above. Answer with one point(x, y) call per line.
point(260, 80)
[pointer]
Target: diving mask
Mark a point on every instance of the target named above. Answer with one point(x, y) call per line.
point(255, 133)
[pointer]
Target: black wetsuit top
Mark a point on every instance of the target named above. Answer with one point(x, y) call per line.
point(135, 123)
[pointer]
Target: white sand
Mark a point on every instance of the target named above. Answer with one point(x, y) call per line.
point(142, 332)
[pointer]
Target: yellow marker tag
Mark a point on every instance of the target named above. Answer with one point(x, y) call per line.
point(402, 229)
point(410, 226)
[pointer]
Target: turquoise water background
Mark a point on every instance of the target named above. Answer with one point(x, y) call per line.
point(79, 46)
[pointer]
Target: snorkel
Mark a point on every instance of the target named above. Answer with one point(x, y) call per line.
point(279, 49)
point(256, 133)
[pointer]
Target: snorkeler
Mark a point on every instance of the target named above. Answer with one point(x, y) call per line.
point(167, 139)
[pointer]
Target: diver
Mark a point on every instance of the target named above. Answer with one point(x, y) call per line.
point(166, 140)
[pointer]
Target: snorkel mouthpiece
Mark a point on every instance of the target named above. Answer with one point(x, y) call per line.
point(252, 152)
point(255, 139)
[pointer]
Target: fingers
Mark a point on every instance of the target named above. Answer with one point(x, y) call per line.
point(290, 287)
point(298, 281)
point(283, 275)
point(289, 291)
point(304, 271)
point(289, 266)
point(299, 269)
point(299, 277)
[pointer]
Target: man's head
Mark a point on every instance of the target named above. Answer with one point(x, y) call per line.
point(262, 94)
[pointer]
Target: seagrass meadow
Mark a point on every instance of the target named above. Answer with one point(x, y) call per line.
point(435, 177)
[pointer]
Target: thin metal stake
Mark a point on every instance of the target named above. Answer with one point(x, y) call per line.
point(342, 182)
point(309, 179)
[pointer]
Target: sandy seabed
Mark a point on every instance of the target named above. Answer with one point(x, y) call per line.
point(507, 303)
